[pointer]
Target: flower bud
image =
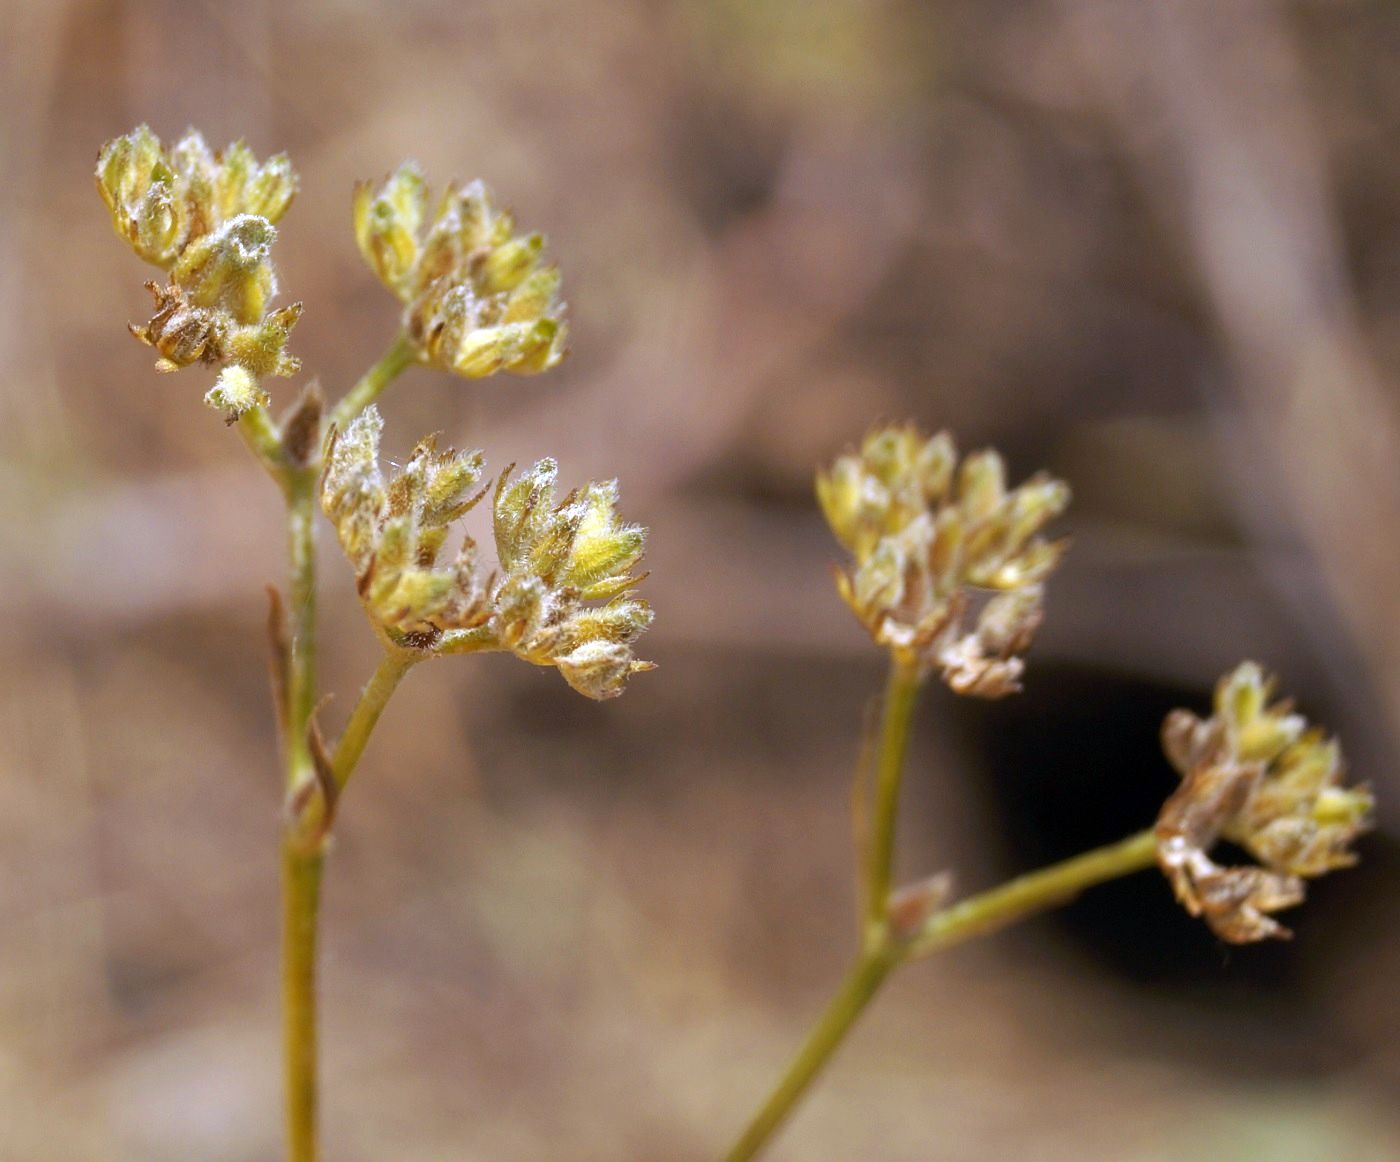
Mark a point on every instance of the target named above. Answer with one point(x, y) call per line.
point(235, 392)
point(388, 223)
point(230, 270)
point(600, 669)
point(138, 184)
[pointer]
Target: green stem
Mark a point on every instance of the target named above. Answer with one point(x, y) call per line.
point(260, 434)
point(976, 916)
point(901, 694)
point(301, 623)
point(400, 356)
point(1039, 891)
point(301, 865)
point(301, 897)
point(302, 858)
point(381, 686)
point(860, 986)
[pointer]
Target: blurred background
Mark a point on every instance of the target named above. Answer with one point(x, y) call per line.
point(1152, 247)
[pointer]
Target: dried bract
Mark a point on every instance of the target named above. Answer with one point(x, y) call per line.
point(930, 541)
point(477, 299)
point(1256, 775)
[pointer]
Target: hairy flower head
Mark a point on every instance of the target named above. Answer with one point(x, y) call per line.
point(1257, 775)
point(392, 531)
point(164, 199)
point(561, 596)
point(207, 219)
point(477, 298)
point(928, 539)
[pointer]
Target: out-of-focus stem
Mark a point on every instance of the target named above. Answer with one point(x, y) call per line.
point(1038, 891)
point(901, 694)
point(976, 916)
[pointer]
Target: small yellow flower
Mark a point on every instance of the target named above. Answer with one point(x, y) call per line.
point(1256, 775)
point(477, 299)
point(928, 539)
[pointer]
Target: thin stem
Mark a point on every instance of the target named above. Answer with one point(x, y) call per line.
point(856, 991)
point(381, 686)
point(301, 898)
point(391, 365)
point(1039, 891)
point(979, 915)
point(301, 623)
point(301, 865)
point(901, 693)
point(260, 434)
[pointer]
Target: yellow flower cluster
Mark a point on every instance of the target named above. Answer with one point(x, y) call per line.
point(1256, 775)
point(477, 298)
point(556, 561)
point(206, 218)
point(393, 531)
point(928, 538)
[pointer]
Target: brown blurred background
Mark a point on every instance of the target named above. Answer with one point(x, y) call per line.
point(1154, 247)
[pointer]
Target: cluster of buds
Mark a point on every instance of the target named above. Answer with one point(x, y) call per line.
point(477, 298)
point(930, 539)
point(557, 561)
point(1256, 775)
point(206, 219)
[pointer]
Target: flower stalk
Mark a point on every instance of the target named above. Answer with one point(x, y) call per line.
point(397, 359)
point(901, 695)
point(979, 915)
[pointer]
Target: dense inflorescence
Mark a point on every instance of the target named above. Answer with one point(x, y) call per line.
point(477, 297)
point(562, 595)
point(1257, 775)
point(928, 540)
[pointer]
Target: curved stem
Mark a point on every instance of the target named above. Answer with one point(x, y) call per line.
point(372, 384)
point(860, 986)
point(901, 693)
point(375, 696)
point(1039, 891)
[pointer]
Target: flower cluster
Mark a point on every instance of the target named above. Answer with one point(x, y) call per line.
point(393, 531)
point(926, 535)
point(206, 218)
point(477, 299)
point(557, 560)
point(1256, 775)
